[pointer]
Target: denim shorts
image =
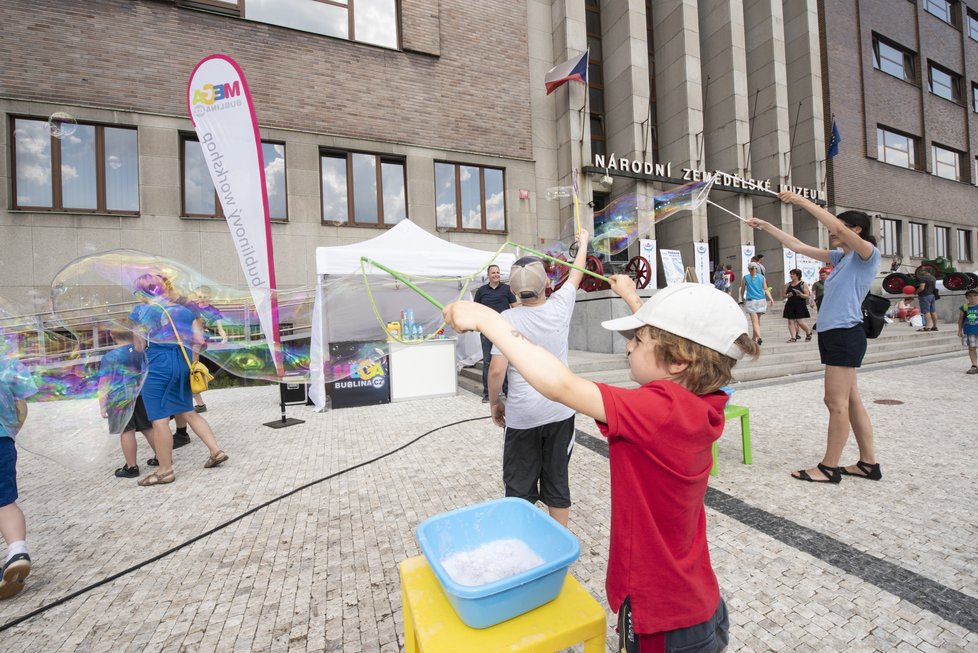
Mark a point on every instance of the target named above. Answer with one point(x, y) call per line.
point(926, 303)
point(8, 471)
point(711, 636)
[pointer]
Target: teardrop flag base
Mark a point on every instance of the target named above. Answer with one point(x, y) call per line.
point(290, 394)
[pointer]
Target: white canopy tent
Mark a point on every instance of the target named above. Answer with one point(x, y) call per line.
point(411, 251)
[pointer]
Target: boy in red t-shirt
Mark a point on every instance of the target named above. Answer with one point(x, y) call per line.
point(683, 344)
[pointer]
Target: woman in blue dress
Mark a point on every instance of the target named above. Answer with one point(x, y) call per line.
point(841, 338)
point(165, 328)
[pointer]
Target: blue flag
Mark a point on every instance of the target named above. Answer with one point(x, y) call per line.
point(834, 141)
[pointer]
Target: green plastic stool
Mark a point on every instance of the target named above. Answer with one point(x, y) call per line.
point(729, 413)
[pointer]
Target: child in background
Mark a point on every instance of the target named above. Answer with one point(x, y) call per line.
point(121, 375)
point(683, 345)
point(968, 328)
point(16, 385)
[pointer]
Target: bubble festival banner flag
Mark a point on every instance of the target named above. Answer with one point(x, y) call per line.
point(220, 107)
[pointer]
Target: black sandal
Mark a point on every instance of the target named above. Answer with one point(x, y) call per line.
point(870, 472)
point(832, 475)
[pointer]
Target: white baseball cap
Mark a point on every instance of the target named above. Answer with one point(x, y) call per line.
point(697, 312)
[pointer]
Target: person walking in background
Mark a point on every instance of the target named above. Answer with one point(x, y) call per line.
point(796, 306)
point(120, 378)
point(818, 288)
point(539, 436)
point(211, 323)
point(730, 277)
point(757, 258)
point(16, 385)
point(927, 296)
point(497, 296)
point(841, 337)
point(755, 296)
point(968, 327)
point(165, 329)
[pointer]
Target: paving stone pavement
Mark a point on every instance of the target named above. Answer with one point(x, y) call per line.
point(862, 566)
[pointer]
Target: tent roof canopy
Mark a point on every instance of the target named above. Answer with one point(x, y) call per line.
point(410, 250)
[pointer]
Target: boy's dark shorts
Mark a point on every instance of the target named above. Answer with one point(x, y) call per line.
point(711, 636)
point(843, 347)
point(138, 421)
point(535, 463)
point(8, 471)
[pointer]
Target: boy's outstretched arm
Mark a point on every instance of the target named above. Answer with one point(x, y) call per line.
point(539, 367)
point(624, 287)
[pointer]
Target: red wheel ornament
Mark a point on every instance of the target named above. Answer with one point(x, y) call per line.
point(638, 268)
point(590, 284)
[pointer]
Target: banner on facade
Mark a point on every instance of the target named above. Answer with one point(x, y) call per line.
point(221, 110)
point(790, 263)
point(672, 266)
point(646, 249)
point(701, 261)
point(809, 268)
point(746, 254)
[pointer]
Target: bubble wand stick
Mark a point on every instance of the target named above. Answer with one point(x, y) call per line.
point(557, 260)
point(400, 277)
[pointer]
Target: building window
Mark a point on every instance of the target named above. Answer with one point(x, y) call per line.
point(973, 25)
point(889, 237)
point(974, 96)
point(918, 240)
point(943, 9)
point(942, 241)
point(366, 21)
point(947, 163)
point(964, 245)
point(650, 133)
point(469, 197)
point(595, 77)
point(362, 188)
point(895, 148)
point(943, 83)
point(94, 168)
point(201, 199)
point(893, 59)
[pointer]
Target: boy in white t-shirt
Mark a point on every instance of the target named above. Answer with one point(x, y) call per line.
point(539, 433)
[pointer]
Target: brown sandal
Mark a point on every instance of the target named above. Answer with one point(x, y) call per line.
point(156, 478)
point(215, 460)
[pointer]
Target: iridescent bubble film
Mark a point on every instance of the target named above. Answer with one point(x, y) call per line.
point(62, 124)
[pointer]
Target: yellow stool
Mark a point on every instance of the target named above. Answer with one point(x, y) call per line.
point(431, 625)
point(729, 413)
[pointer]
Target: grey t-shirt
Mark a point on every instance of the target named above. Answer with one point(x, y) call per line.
point(546, 325)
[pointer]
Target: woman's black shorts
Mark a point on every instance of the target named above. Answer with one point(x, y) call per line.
point(843, 347)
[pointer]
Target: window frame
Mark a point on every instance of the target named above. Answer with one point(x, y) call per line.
point(942, 245)
point(57, 201)
point(948, 15)
point(972, 21)
point(958, 167)
point(954, 82)
point(380, 159)
point(918, 229)
point(482, 198)
point(909, 58)
point(964, 243)
point(890, 246)
point(184, 138)
point(913, 154)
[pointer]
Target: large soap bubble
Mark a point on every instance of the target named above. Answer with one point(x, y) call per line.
point(61, 124)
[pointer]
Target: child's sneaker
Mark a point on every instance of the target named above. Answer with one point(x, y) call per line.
point(973, 370)
point(153, 462)
point(127, 472)
point(13, 575)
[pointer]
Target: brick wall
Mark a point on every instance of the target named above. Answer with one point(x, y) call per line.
point(462, 83)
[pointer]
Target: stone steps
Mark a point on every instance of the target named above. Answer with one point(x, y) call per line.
point(778, 357)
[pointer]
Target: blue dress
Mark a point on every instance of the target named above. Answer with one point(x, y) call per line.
point(166, 390)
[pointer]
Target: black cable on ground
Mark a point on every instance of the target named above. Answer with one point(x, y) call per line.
point(65, 599)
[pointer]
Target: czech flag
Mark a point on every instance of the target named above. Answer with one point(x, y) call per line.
point(575, 69)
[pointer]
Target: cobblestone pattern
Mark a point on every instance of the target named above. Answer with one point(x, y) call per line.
point(317, 571)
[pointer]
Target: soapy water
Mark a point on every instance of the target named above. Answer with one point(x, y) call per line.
point(491, 562)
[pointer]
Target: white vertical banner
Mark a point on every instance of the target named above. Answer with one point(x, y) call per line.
point(746, 254)
point(672, 266)
point(646, 249)
point(220, 107)
point(701, 261)
point(809, 268)
point(790, 263)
